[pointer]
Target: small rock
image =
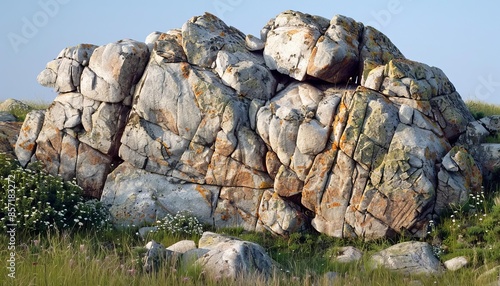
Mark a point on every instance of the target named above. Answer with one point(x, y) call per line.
point(456, 263)
point(349, 254)
point(231, 258)
point(156, 255)
point(182, 246)
point(411, 257)
point(7, 117)
point(253, 43)
point(190, 256)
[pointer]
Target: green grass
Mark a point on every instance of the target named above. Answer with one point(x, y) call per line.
point(113, 258)
point(480, 109)
point(20, 113)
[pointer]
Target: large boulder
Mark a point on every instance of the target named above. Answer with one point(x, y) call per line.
point(319, 124)
point(408, 258)
point(230, 258)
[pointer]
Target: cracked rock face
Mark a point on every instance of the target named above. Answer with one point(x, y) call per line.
point(319, 124)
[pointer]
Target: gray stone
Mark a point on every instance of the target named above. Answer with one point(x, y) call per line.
point(155, 257)
point(348, 254)
point(254, 44)
point(135, 196)
point(182, 246)
point(113, 69)
point(230, 258)
point(7, 117)
point(408, 258)
point(456, 263)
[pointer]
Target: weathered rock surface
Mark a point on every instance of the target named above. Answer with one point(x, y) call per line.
point(7, 117)
point(231, 258)
point(456, 263)
point(9, 132)
point(408, 258)
point(348, 254)
point(156, 256)
point(318, 124)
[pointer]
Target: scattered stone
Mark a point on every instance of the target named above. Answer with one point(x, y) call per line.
point(408, 258)
point(456, 263)
point(182, 246)
point(156, 256)
point(254, 44)
point(230, 258)
point(348, 254)
point(7, 117)
point(9, 132)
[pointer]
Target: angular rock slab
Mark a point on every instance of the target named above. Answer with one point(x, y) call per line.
point(290, 42)
point(408, 258)
point(135, 197)
point(113, 69)
point(64, 73)
point(231, 258)
point(26, 142)
point(458, 177)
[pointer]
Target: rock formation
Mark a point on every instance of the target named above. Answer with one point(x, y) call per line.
point(317, 123)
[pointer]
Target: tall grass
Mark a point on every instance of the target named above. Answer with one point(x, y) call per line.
point(114, 258)
point(480, 109)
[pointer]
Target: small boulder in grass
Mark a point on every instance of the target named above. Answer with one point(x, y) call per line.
point(182, 246)
point(456, 263)
point(156, 255)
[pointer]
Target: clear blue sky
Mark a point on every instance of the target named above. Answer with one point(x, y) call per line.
point(460, 37)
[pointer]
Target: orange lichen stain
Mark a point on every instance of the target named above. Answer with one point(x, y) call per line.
point(197, 91)
point(26, 128)
point(222, 34)
point(204, 192)
point(333, 205)
point(162, 37)
point(185, 69)
point(29, 147)
point(265, 185)
point(292, 32)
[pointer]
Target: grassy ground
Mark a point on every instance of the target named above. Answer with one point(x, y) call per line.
point(480, 109)
point(113, 257)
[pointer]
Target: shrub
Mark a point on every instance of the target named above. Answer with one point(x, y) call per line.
point(182, 224)
point(37, 202)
